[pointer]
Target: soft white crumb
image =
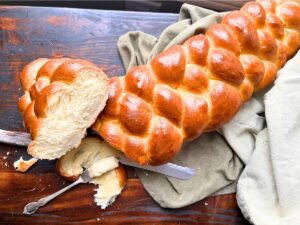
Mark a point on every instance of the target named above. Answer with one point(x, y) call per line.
point(7, 153)
point(205, 203)
point(4, 157)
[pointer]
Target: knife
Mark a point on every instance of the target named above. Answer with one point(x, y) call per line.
point(15, 138)
point(169, 169)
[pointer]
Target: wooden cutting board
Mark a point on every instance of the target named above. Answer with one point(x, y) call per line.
point(27, 33)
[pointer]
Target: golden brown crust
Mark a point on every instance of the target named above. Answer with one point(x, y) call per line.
point(135, 114)
point(198, 86)
point(195, 79)
point(169, 66)
point(23, 103)
point(64, 173)
point(168, 103)
point(28, 75)
point(165, 140)
point(30, 119)
point(41, 101)
point(121, 175)
point(225, 101)
point(196, 116)
point(197, 47)
point(140, 82)
point(67, 71)
point(243, 30)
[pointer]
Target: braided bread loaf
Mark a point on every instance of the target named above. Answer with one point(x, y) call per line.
point(62, 99)
point(198, 86)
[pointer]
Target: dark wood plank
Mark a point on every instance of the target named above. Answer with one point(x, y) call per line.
point(134, 205)
point(27, 33)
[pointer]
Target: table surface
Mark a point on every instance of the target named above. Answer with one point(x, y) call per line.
point(27, 33)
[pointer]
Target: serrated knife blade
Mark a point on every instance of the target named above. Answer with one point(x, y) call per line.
point(169, 169)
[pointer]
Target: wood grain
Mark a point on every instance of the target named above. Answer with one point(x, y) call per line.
point(27, 33)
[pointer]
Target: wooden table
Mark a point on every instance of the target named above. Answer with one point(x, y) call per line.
point(27, 33)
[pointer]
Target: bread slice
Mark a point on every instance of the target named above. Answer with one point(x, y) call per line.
point(62, 99)
point(88, 154)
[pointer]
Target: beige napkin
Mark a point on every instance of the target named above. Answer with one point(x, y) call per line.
point(268, 190)
point(264, 195)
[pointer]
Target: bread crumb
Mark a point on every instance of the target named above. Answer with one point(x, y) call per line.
point(205, 203)
point(23, 165)
point(7, 153)
point(4, 157)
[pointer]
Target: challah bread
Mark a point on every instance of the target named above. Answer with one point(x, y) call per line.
point(86, 155)
point(62, 99)
point(198, 86)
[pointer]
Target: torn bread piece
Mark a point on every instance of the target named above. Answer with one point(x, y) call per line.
point(88, 154)
point(22, 165)
point(102, 166)
point(62, 99)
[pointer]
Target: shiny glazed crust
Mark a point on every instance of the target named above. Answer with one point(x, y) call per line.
point(198, 86)
point(41, 79)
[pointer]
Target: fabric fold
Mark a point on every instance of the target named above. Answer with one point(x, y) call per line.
point(268, 189)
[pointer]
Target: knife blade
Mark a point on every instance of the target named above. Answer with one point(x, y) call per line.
point(15, 138)
point(169, 169)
